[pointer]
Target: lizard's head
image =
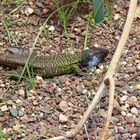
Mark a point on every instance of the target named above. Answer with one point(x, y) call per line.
point(93, 56)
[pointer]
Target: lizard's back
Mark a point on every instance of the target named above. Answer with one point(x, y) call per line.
point(43, 65)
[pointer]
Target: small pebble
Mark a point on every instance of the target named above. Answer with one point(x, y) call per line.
point(39, 78)
point(121, 129)
point(51, 28)
point(133, 136)
point(132, 101)
point(138, 66)
point(80, 88)
point(63, 118)
point(1, 44)
point(28, 11)
point(14, 112)
point(134, 111)
point(101, 67)
point(35, 102)
point(123, 108)
point(16, 127)
point(115, 120)
point(138, 86)
point(117, 16)
point(123, 113)
point(20, 113)
point(2, 85)
point(4, 108)
point(4, 131)
point(63, 106)
point(124, 98)
point(98, 71)
point(129, 119)
point(132, 129)
point(96, 45)
point(23, 134)
point(21, 92)
point(18, 101)
point(84, 91)
point(41, 114)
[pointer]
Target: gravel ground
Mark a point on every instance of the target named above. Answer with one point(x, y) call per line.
point(58, 103)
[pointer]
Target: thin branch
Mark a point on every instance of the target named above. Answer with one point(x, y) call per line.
point(111, 100)
point(57, 138)
point(85, 127)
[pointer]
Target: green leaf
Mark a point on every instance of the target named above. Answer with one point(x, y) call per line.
point(109, 9)
point(98, 10)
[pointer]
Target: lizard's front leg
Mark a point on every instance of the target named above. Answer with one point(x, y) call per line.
point(14, 74)
point(78, 72)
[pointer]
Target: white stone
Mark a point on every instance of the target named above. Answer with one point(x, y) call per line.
point(123, 63)
point(133, 136)
point(4, 130)
point(134, 111)
point(21, 92)
point(117, 37)
point(127, 105)
point(124, 98)
point(98, 71)
point(32, 92)
point(39, 78)
point(2, 85)
point(28, 11)
point(138, 66)
point(1, 44)
point(18, 101)
point(63, 118)
point(129, 114)
point(96, 45)
point(63, 106)
point(51, 28)
point(124, 91)
point(84, 91)
point(117, 16)
point(23, 134)
point(123, 108)
point(101, 67)
point(16, 127)
point(123, 113)
point(138, 86)
point(41, 115)
point(115, 6)
point(4, 108)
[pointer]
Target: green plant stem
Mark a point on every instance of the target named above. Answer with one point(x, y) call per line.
point(87, 29)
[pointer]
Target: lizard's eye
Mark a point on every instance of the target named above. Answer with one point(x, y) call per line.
point(94, 61)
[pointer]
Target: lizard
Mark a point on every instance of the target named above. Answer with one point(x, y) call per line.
point(54, 65)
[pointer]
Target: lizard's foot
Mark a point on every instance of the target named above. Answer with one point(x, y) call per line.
point(13, 75)
point(87, 76)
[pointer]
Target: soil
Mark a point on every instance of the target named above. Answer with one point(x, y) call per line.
point(57, 104)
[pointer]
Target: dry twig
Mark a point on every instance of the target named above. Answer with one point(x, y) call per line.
point(111, 101)
point(109, 73)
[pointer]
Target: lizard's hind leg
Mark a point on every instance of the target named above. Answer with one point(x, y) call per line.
point(14, 74)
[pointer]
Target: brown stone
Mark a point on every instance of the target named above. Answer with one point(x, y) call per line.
point(129, 119)
point(132, 129)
